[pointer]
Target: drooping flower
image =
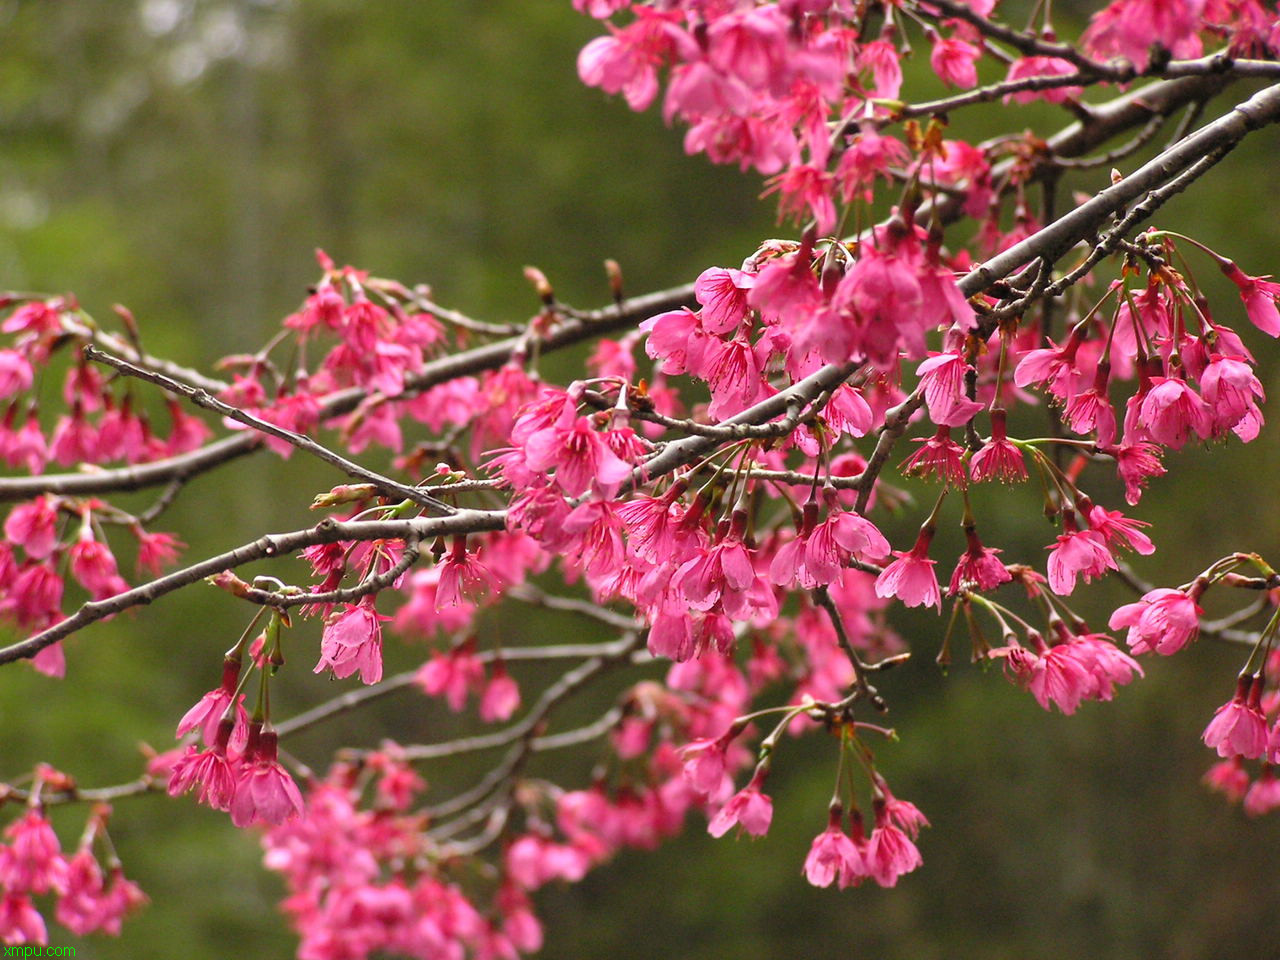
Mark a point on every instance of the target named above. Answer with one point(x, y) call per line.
point(890, 852)
point(501, 696)
point(748, 808)
point(978, 568)
point(1238, 727)
point(999, 459)
point(832, 853)
point(352, 640)
point(910, 578)
point(33, 861)
point(1077, 553)
point(1164, 620)
point(1259, 295)
point(264, 791)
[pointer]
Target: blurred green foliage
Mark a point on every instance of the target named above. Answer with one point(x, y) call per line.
point(184, 157)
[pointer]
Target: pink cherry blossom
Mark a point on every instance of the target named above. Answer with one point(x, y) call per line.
point(1238, 727)
point(352, 641)
point(723, 295)
point(1077, 553)
point(264, 791)
point(501, 696)
point(33, 861)
point(748, 808)
point(1164, 620)
point(890, 852)
point(998, 459)
point(832, 853)
point(20, 922)
point(910, 578)
point(34, 526)
point(1259, 295)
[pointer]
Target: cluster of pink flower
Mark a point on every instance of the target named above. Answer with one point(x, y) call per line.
point(99, 427)
point(32, 863)
point(238, 770)
point(33, 582)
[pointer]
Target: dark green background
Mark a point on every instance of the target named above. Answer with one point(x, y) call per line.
point(184, 158)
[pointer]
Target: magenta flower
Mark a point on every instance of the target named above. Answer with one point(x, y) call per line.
point(460, 574)
point(211, 770)
point(748, 808)
point(353, 641)
point(1042, 67)
point(1233, 392)
point(264, 791)
point(890, 852)
point(1053, 367)
point(724, 568)
point(1120, 531)
point(704, 764)
point(1229, 778)
point(93, 565)
point(1136, 463)
point(80, 903)
point(942, 378)
point(1259, 295)
point(910, 578)
point(1077, 553)
point(832, 853)
point(940, 456)
point(978, 569)
point(1164, 620)
point(999, 459)
point(33, 861)
point(20, 922)
point(1238, 727)
point(723, 295)
point(501, 696)
point(1264, 795)
point(34, 527)
point(953, 59)
point(1171, 411)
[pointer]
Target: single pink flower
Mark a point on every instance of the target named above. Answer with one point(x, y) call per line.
point(34, 526)
point(890, 852)
point(1229, 778)
point(33, 861)
point(1264, 795)
point(1077, 553)
point(748, 808)
point(942, 377)
point(832, 853)
point(953, 60)
point(723, 295)
point(1238, 727)
point(1164, 620)
point(352, 641)
point(940, 456)
point(20, 922)
point(1259, 295)
point(910, 578)
point(999, 459)
point(501, 696)
point(264, 791)
point(461, 573)
point(978, 569)
point(704, 764)
point(1036, 66)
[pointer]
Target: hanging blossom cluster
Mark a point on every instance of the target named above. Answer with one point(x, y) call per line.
point(717, 495)
point(87, 899)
